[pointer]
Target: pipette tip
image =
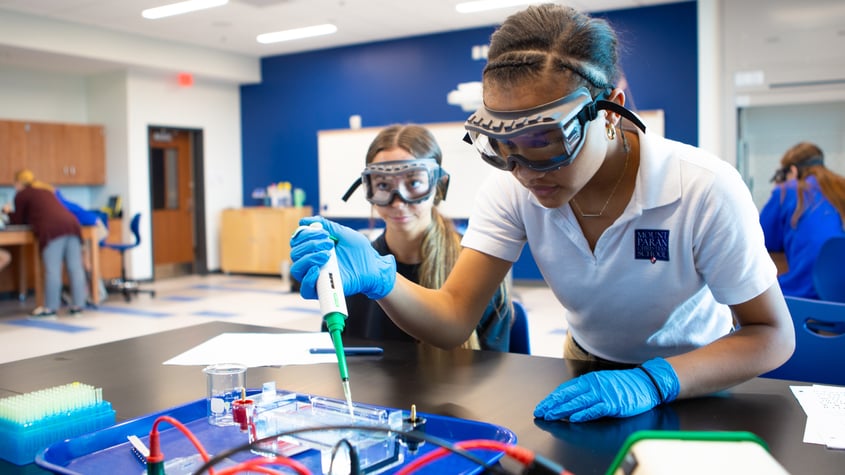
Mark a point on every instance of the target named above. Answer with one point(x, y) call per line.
point(348, 394)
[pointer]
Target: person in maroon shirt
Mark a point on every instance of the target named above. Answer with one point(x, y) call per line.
point(59, 238)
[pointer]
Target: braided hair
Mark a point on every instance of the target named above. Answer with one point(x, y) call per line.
point(554, 37)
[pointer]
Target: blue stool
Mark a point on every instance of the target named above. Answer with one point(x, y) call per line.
point(123, 285)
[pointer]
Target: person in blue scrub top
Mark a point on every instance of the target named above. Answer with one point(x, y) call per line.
point(404, 181)
point(806, 208)
point(654, 247)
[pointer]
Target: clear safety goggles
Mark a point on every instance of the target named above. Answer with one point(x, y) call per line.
point(413, 181)
point(781, 173)
point(542, 139)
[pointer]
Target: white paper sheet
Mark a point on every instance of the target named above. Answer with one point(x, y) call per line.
point(825, 409)
point(258, 349)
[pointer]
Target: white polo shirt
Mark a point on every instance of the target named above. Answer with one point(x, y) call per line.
point(688, 244)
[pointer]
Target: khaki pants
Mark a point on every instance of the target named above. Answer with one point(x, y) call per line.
point(572, 351)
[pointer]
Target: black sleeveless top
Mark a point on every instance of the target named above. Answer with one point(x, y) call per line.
point(368, 320)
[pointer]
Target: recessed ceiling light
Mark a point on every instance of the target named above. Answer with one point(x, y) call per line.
point(180, 8)
point(482, 5)
point(296, 33)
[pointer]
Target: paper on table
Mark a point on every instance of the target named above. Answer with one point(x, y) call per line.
point(258, 349)
point(825, 409)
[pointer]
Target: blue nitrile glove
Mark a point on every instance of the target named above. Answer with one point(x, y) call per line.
point(362, 269)
point(612, 393)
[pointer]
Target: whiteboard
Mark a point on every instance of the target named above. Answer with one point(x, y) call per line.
point(342, 154)
point(653, 120)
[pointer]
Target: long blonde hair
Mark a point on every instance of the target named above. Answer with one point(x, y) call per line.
point(808, 158)
point(441, 243)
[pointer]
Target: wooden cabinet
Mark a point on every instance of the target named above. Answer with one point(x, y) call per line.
point(83, 160)
point(13, 150)
point(43, 150)
point(58, 154)
point(257, 240)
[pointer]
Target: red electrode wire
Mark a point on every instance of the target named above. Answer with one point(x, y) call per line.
point(520, 454)
point(257, 465)
point(155, 446)
point(251, 469)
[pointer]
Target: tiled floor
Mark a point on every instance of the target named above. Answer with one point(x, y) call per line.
point(186, 301)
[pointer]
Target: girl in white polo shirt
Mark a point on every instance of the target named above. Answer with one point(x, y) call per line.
point(654, 247)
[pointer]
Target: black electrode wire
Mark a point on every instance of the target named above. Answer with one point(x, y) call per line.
point(354, 463)
point(421, 436)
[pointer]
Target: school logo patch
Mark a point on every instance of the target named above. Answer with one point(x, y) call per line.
point(651, 244)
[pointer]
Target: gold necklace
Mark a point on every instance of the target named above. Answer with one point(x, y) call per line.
point(612, 193)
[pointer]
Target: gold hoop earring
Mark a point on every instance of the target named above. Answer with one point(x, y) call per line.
point(610, 130)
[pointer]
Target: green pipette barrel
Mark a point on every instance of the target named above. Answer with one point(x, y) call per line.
point(336, 322)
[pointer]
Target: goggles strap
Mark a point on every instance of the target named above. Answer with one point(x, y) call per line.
point(802, 166)
point(351, 190)
point(614, 107)
point(817, 160)
point(443, 177)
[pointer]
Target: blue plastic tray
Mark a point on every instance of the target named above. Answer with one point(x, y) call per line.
point(108, 450)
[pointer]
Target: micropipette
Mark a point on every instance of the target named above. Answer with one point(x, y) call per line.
point(333, 307)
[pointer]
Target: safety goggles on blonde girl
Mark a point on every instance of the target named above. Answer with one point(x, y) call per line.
point(412, 181)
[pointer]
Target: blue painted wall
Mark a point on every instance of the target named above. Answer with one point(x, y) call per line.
point(407, 80)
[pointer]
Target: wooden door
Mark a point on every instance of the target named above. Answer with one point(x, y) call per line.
point(172, 187)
